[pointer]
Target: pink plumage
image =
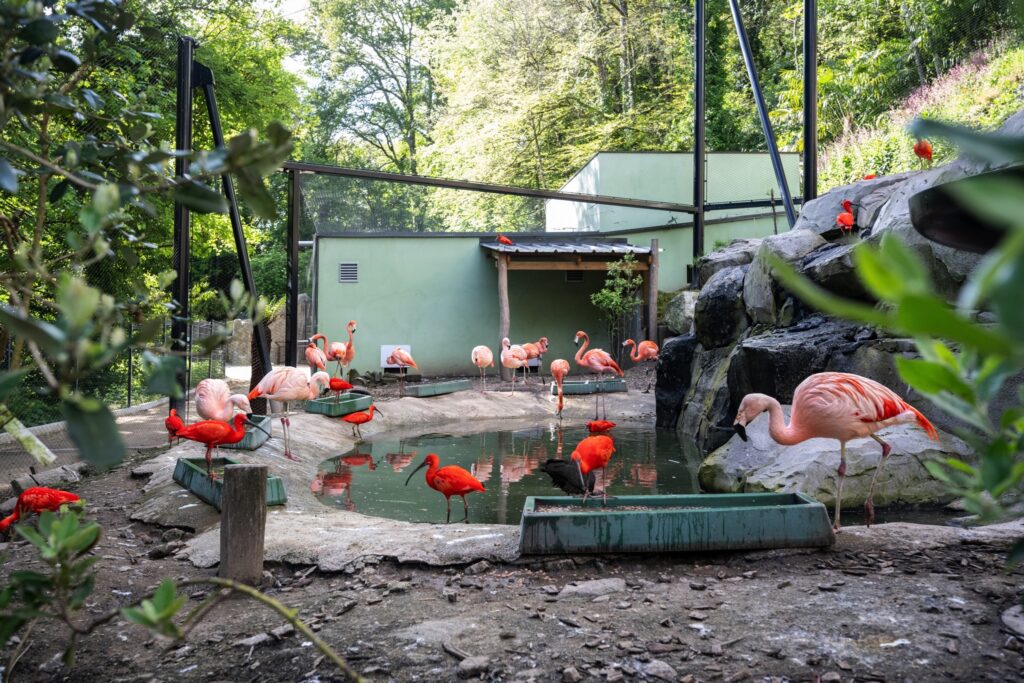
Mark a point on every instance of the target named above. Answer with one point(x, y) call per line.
point(214, 400)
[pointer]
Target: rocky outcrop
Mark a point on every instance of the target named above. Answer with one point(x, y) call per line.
point(832, 268)
point(708, 411)
point(762, 294)
point(679, 312)
point(760, 464)
point(719, 316)
point(675, 368)
point(736, 253)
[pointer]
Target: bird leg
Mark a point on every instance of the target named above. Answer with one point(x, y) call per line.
point(209, 463)
point(583, 482)
point(839, 487)
point(514, 370)
point(465, 507)
point(286, 426)
point(869, 504)
point(359, 433)
point(448, 519)
point(604, 490)
point(648, 389)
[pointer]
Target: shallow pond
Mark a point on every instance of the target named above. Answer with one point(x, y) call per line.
point(371, 478)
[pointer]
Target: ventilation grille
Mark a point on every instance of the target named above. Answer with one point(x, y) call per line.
point(574, 276)
point(348, 273)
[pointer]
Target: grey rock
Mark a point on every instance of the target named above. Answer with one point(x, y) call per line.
point(571, 674)
point(594, 588)
point(1013, 619)
point(478, 567)
point(736, 253)
point(661, 670)
point(473, 666)
point(675, 370)
point(832, 267)
point(868, 196)
point(762, 295)
point(719, 316)
point(678, 315)
point(760, 464)
point(252, 641)
point(707, 413)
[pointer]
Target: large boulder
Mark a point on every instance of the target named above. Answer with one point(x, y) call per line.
point(675, 370)
point(736, 253)
point(719, 316)
point(762, 295)
point(678, 315)
point(708, 412)
point(832, 267)
point(819, 215)
point(760, 464)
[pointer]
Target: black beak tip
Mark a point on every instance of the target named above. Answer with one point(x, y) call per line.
point(741, 430)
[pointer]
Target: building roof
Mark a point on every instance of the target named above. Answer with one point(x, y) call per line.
point(562, 247)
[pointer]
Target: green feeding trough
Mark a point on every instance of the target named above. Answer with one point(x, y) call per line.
point(438, 388)
point(336, 407)
point(191, 474)
point(577, 387)
point(660, 523)
point(254, 437)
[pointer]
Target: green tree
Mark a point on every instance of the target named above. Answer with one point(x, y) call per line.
point(619, 300)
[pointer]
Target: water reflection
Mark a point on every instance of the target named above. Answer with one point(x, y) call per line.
point(508, 463)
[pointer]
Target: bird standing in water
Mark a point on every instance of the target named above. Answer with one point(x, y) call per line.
point(482, 357)
point(593, 453)
point(559, 369)
point(835, 405)
point(173, 423)
point(360, 418)
point(289, 384)
point(37, 499)
point(215, 433)
point(596, 360)
point(450, 480)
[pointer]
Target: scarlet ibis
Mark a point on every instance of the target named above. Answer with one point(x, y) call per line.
point(536, 350)
point(215, 433)
point(598, 426)
point(403, 360)
point(504, 240)
point(37, 499)
point(593, 453)
point(450, 481)
point(482, 357)
point(565, 475)
point(595, 360)
point(214, 400)
point(559, 369)
point(644, 352)
point(338, 385)
point(923, 150)
point(513, 357)
point(870, 176)
point(289, 384)
point(835, 405)
point(332, 351)
point(360, 418)
point(173, 423)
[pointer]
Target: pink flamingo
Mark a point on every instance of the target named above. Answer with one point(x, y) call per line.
point(403, 360)
point(595, 360)
point(214, 401)
point(482, 357)
point(316, 358)
point(350, 348)
point(513, 357)
point(290, 384)
point(835, 405)
point(643, 352)
point(536, 350)
point(332, 352)
point(559, 369)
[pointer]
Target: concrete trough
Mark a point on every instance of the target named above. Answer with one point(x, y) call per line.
point(578, 387)
point(191, 474)
point(673, 523)
point(438, 388)
point(337, 407)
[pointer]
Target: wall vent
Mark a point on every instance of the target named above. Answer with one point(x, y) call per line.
point(574, 276)
point(348, 273)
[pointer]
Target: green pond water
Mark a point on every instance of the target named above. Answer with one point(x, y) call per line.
point(371, 478)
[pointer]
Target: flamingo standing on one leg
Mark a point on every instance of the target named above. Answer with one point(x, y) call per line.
point(173, 423)
point(513, 357)
point(643, 352)
point(835, 405)
point(559, 369)
point(536, 350)
point(215, 433)
point(450, 481)
point(316, 358)
point(403, 360)
point(593, 453)
point(350, 348)
point(595, 360)
point(482, 357)
point(37, 499)
point(333, 352)
point(360, 418)
point(289, 384)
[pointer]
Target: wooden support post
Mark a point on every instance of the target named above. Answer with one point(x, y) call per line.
point(504, 316)
point(652, 294)
point(243, 523)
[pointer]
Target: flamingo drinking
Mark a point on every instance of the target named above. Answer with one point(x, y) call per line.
point(482, 357)
point(513, 357)
point(450, 480)
point(559, 369)
point(595, 360)
point(835, 405)
point(289, 384)
point(37, 499)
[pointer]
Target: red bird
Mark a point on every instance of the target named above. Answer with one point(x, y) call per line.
point(450, 481)
point(173, 423)
point(923, 150)
point(593, 453)
point(845, 220)
point(215, 433)
point(870, 176)
point(596, 426)
point(37, 499)
point(337, 386)
point(504, 240)
point(360, 418)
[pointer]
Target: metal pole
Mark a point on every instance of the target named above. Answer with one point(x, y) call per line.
point(810, 99)
point(762, 112)
point(204, 78)
point(699, 134)
point(291, 320)
point(131, 333)
point(182, 221)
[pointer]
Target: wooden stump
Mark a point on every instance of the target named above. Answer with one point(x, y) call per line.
point(243, 523)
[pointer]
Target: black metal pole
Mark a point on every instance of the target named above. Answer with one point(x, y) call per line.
point(291, 320)
point(699, 136)
point(204, 78)
point(131, 366)
point(762, 112)
point(182, 220)
point(810, 99)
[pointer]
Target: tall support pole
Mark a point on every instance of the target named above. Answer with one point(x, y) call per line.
point(762, 112)
point(652, 293)
point(504, 315)
point(699, 134)
point(182, 218)
point(810, 99)
point(291, 320)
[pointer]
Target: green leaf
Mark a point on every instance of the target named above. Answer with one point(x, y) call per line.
point(1016, 554)
point(823, 300)
point(163, 374)
point(84, 539)
point(93, 430)
point(884, 282)
point(164, 595)
point(10, 380)
point(32, 536)
point(77, 302)
point(998, 200)
point(936, 470)
point(200, 198)
point(82, 592)
point(40, 31)
point(9, 176)
point(49, 338)
point(1006, 300)
point(930, 316)
point(988, 273)
point(932, 378)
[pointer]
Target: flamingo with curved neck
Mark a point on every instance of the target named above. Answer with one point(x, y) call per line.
point(597, 361)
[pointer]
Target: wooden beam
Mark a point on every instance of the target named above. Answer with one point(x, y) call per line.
point(243, 523)
point(566, 265)
point(652, 294)
point(504, 315)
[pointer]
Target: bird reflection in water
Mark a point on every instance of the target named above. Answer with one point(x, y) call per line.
point(339, 482)
point(644, 474)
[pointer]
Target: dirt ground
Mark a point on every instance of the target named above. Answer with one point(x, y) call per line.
point(877, 606)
